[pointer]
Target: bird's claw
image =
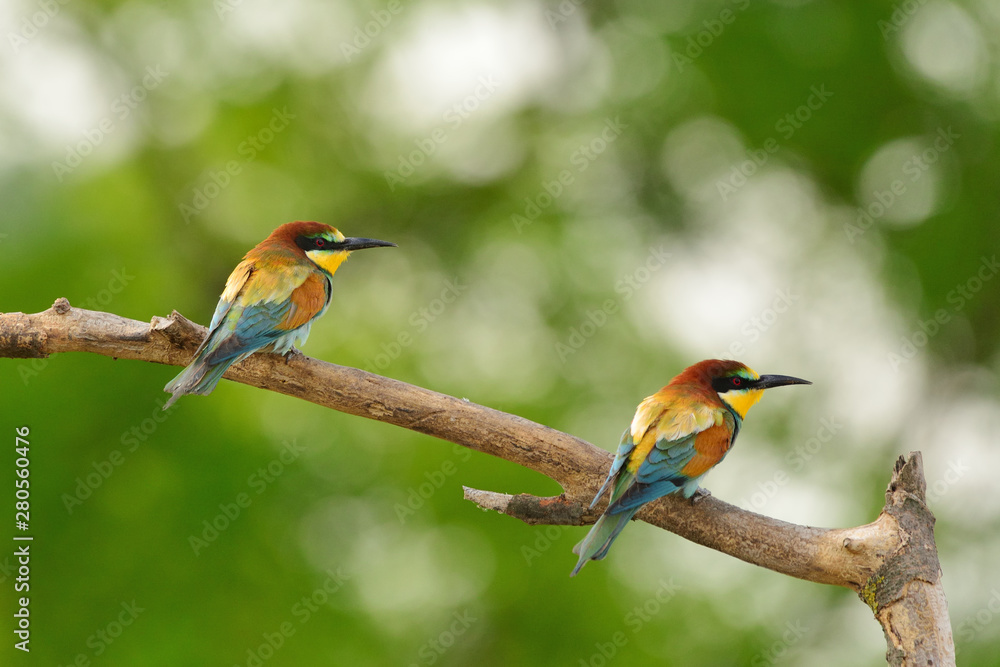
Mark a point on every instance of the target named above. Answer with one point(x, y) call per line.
point(699, 495)
point(292, 354)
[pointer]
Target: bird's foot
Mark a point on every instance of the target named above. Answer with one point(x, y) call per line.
point(293, 354)
point(699, 495)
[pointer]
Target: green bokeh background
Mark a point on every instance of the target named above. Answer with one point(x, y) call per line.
point(500, 293)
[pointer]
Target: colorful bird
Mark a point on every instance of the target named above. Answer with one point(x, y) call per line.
point(270, 300)
point(677, 435)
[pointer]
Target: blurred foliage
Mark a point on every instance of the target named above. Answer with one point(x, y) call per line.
point(587, 198)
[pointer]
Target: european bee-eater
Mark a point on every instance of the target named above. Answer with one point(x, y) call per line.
point(677, 435)
point(270, 300)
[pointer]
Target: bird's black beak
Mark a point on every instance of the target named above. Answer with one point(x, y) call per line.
point(768, 381)
point(350, 243)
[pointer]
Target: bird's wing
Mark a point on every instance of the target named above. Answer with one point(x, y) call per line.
point(234, 285)
point(645, 416)
point(259, 307)
point(246, 329)
point(676, 442)
point(625, 448)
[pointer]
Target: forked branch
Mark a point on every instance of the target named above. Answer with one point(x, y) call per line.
point(891, 563)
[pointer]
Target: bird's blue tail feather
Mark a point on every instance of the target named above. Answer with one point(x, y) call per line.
point(603, 533)
point(198, 378)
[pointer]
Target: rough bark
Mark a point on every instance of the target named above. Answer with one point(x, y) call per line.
point(891, 563)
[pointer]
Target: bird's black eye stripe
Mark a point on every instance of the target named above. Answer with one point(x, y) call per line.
point(725, 384)
point(315, 243)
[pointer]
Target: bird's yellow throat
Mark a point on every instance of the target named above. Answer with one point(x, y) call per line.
point(328, 261)
point(741, 401)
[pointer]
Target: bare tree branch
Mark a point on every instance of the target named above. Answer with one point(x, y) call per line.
point(892, 563)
